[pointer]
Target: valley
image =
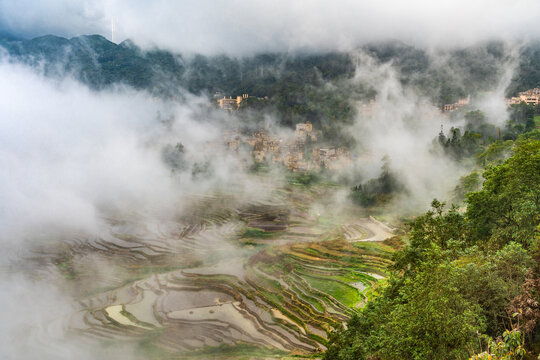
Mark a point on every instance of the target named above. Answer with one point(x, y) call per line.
point(209, 280)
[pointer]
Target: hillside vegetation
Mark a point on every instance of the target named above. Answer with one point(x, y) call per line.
point(464, 277)
point(295, 83)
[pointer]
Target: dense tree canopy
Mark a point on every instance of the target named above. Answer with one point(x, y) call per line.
point(508, 206)
point(462, 276)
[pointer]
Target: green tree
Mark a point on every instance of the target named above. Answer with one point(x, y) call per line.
point(521, 120)
point(444, 229)
point(433, 319)
point(460, 275)
point(508, 206)
point(509, 347)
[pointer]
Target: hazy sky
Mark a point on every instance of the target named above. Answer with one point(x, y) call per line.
point(240, 27)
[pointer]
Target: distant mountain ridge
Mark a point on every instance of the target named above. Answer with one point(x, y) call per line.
point(295, 83)
point(99, 62)
point(93, 59)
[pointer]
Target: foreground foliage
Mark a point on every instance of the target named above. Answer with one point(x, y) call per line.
point(463, 277)
point(510, 347)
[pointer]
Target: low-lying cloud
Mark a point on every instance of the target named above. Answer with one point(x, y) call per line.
point(71, 159)
point(243, 27)
point(71, 155)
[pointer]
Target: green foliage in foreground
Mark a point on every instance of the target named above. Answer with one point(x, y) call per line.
point(509, 348)
point(467, 183)
point(507, 208)
point(462, 276)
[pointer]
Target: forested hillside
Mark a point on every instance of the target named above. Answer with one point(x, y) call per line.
point(463, 278)
point(295, 83)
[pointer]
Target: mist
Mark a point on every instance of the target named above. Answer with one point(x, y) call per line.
point(85, 168)
point(402, 127)
point(74, 160)
point(242, 28)
point(403, 124)
point(75, 154)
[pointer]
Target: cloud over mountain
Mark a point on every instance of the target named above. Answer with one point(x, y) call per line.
point(240, 27)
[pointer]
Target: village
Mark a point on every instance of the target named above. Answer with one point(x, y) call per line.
point(302, 151)
point(297, 153)
point(529, 97)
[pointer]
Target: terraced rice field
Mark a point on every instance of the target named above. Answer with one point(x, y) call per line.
point(265, 274)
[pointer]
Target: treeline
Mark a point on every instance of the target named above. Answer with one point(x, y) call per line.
point(299, 87)
point(527, 75)
point(318, 87)
point(465, 283)
point(484, 144)
point(478, 143)
point(478, 133)
point(378, 190)
point(293, 84)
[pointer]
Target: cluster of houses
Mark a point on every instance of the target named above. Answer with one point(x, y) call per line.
point(457, 105)
point(233, 103)
point(297, 153)
point(301, 153)
point(367, 108)
point(529, 97)
point(230, 103)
